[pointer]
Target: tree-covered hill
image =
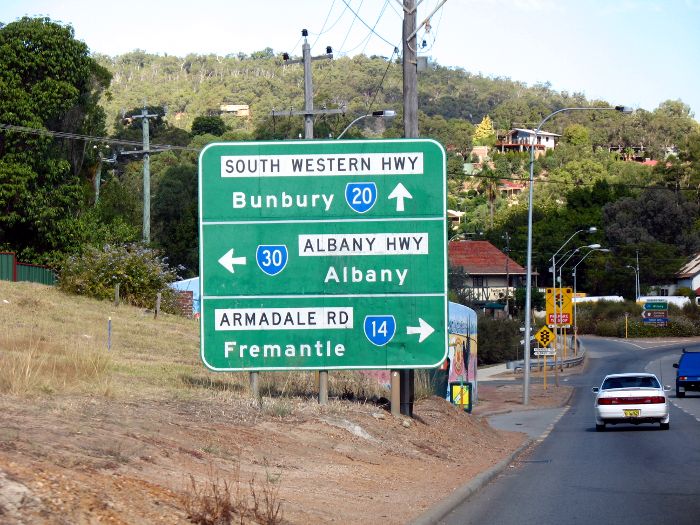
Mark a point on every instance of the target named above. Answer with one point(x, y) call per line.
point(450, 100)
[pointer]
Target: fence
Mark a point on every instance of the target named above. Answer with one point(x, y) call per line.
point(11, 270)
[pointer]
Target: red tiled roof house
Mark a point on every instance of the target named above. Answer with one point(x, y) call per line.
point(489, 272)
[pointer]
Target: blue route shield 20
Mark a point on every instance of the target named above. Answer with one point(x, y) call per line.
point(361, 196)
point(380, 329)
point(272, 258)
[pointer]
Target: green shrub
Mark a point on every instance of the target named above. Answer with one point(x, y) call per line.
point(140, 272)
point(498, 340)
point(607, 319)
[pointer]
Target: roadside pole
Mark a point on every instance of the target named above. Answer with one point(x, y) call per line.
point(254, 386)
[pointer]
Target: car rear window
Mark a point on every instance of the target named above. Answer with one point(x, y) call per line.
point(630, 382)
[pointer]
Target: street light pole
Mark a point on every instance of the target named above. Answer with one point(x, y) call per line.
point(561, 284)
point(636, 282)
point(573, 273)
point(528, 284)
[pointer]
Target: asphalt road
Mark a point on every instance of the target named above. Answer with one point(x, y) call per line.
point(627, 474)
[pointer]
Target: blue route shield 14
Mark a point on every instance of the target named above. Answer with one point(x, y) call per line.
point(380, 329)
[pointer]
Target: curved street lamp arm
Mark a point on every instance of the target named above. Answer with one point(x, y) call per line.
point(567, 242)
point(353, 122)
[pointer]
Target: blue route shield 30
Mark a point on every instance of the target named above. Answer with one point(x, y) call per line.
point(361, 196)
point(380, 329)
point(272, 258)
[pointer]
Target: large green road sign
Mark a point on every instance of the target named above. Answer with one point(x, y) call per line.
point(323, 255)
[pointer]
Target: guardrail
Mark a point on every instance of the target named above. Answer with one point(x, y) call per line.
point(550, 363)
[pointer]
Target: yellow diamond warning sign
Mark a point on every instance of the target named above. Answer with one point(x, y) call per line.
point(544, 336)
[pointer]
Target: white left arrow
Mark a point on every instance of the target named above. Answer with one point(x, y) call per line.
point(228, 260)
point(424, 329)
point(400, 193)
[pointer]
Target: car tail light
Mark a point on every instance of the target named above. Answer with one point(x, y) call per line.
point(683, 378)
point(648, 400)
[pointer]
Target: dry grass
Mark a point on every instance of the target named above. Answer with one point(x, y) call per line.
point(222, 501)
point(54, 343)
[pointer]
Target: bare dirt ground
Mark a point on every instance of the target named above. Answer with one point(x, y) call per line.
point(87, 459)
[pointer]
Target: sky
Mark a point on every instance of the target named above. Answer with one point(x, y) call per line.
point(637, 53)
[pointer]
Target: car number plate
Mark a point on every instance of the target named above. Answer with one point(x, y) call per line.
point(631, 413)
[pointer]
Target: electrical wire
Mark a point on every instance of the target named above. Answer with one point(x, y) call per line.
point(323, 27)
point(342, 46)
point(88, 138)
point(381, 82)
point(357, 16)
point(381, 13)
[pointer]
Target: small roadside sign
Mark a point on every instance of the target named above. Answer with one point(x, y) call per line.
point(461, 395)
point(654, 314)
point(656, 305)
point(544, 336)
point(545, 351)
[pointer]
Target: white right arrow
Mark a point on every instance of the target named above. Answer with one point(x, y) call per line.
point(400, 193)
point(228, 260)
point(424, 330)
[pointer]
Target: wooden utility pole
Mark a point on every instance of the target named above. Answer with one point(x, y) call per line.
point(308, 91)
point(410, 70)
point(403, 381)
point(146, 173)
point(309, 114)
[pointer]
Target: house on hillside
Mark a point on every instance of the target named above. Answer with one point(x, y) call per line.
point(239, 110)
point(454, 217)
point(510, 189)
point(687, 277)
point(489, 274)
point(520, 139)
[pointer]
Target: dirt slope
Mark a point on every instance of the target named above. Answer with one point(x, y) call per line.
point(93, 460)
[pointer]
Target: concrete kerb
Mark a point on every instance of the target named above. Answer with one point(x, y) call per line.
point(460, 494)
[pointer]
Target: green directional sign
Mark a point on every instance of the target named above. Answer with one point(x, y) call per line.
point(323, 255)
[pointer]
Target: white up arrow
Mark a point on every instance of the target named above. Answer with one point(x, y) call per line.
point(228, 260)
point(424, 330)
point(400, 193)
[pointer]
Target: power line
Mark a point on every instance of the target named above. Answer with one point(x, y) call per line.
point(323, 27)
point(381, 82)
point(381, 13)
point(367, 25)
point(349, 28)
point(75, 136)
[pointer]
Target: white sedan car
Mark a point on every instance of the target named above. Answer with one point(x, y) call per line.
point(631, 398)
